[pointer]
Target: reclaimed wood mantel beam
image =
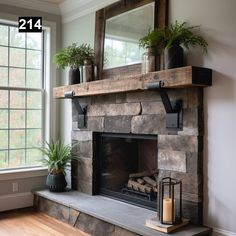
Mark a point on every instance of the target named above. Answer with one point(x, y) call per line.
point(183, 77)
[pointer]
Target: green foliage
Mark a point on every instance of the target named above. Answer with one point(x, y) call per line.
point(56, 156)
point(74, 56)
point(175, 34)
point(154, 39)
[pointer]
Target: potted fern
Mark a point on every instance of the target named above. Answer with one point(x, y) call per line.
point(74, 56)
point(170, 40)
point(56, 157)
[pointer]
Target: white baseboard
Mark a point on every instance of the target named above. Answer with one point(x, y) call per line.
point(15, 201)
point(221, 232)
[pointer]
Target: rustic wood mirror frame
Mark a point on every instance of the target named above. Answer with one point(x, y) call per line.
point(160, 19)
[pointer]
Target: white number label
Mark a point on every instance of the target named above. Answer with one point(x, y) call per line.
point(30, 24)
point(22, 23)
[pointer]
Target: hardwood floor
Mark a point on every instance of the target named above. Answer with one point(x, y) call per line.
point(32, 223)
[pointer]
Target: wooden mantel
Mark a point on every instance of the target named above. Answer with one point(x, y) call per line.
point(183, 77)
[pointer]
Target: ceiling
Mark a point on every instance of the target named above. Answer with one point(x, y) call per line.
point(53, 1)
point(68, 9)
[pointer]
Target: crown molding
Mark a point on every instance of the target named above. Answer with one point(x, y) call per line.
point(73, 9)
point(70, 5)
point(69, 10)
point(34, 5)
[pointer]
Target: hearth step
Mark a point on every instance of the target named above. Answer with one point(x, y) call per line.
point(98, 215)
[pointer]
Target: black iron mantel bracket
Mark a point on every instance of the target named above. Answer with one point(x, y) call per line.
point(174, 110)
point(81, 110)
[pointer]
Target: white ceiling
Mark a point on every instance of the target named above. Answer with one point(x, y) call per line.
point(53, 1)
point(68, 9)
point(72, 9)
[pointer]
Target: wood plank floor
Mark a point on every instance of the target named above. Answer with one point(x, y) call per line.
point(32, 223)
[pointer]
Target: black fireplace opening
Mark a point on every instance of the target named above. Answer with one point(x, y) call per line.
point(126, 168)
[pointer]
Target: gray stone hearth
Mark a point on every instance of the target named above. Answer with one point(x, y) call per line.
point(179, 154)
point(93, 215)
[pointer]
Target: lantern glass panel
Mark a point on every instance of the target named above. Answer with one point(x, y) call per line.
point(170, 201)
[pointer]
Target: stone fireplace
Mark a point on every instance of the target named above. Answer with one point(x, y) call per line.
point(131, 127)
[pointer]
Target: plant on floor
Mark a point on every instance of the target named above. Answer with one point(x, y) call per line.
point(56, 156)
point(74, 56)
point(171, 39)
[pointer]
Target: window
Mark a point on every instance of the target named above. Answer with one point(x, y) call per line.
point(120, 52)
point(21, 97)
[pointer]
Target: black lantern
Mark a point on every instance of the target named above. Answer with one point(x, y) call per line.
point(170, 201)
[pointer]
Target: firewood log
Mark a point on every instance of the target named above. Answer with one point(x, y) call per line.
point(138, 187)
point(154, 189)
point(148, 185)
point(140, 181)
point(150, 181)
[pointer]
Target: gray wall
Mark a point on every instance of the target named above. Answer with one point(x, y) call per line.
point(80, 31)
point(217, 19)
point(30, 180)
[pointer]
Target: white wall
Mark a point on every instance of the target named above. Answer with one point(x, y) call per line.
point(217, 19)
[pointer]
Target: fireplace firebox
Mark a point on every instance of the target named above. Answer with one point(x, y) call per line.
point(127, 168)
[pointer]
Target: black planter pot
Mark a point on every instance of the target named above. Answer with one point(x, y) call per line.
point(56, 183)
point(174, 57)
point(74, 76)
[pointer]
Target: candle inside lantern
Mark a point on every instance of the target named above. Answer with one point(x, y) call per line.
point(167, 210)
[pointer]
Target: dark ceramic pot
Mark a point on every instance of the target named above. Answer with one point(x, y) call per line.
point(56, 183)
point(174, 57)
point(74, 76)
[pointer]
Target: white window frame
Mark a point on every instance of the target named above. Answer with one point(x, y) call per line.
point(51, 109)
point(26, 89)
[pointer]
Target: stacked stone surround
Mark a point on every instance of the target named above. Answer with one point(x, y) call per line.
point(179, 153)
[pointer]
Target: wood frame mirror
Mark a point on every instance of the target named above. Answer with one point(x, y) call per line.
point(160, 20)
